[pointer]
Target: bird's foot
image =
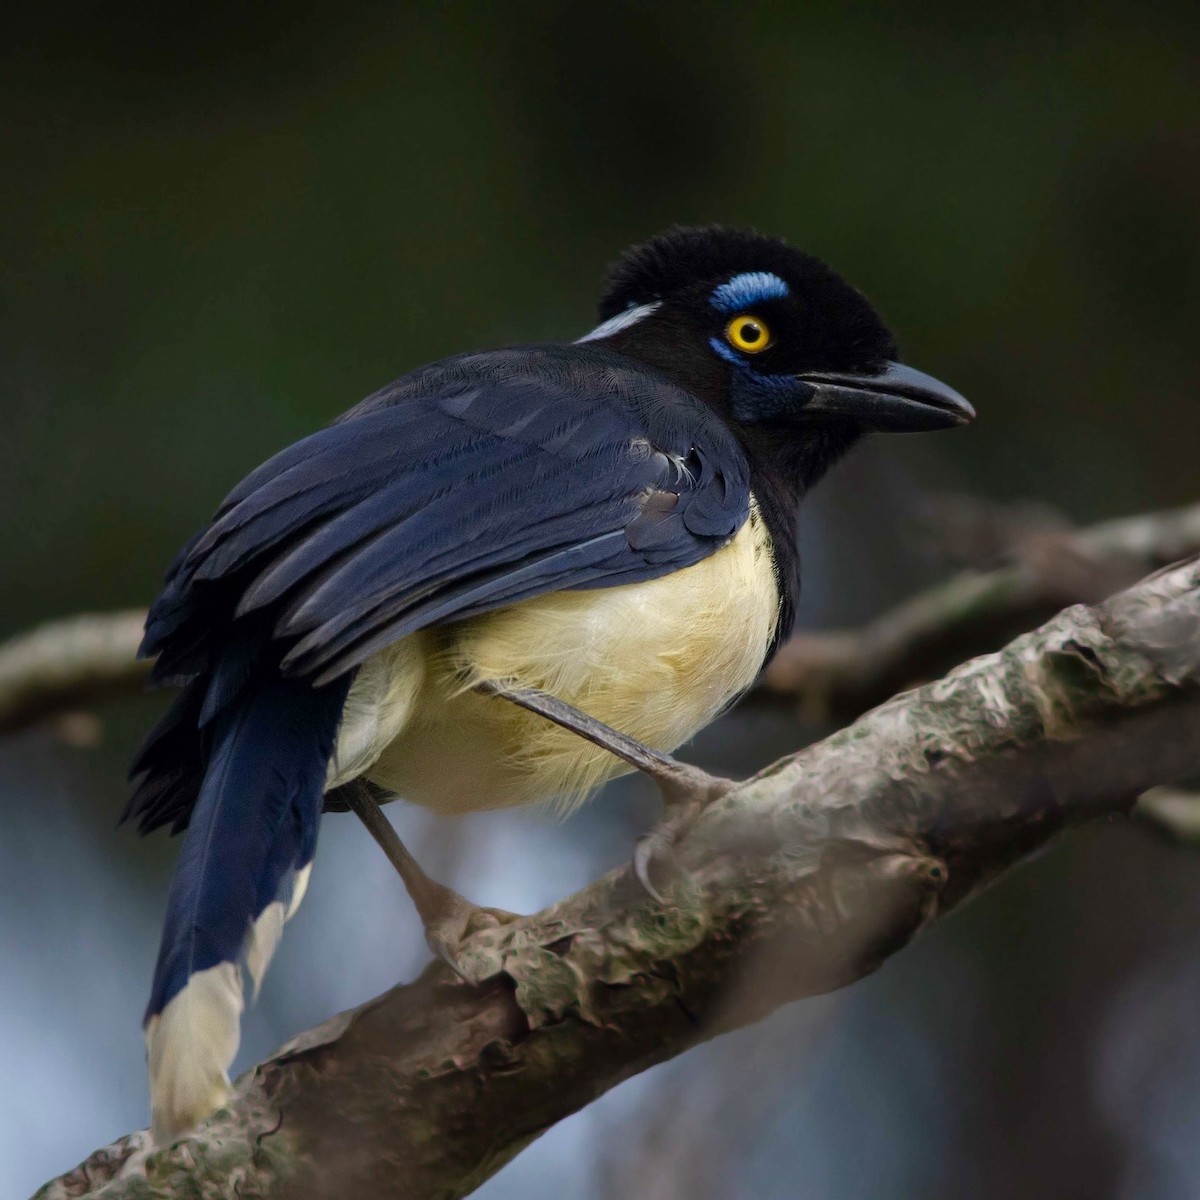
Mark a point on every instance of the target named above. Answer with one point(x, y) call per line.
point(686, 792)
point(449, 919)
point(450, 922)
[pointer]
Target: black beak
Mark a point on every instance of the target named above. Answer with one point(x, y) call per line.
point(898, 399)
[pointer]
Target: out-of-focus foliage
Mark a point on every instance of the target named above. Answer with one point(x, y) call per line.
point(222, 225)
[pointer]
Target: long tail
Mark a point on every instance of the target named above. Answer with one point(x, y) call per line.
point(242, 871)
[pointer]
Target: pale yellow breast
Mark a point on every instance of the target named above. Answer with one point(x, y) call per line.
point(657, 660)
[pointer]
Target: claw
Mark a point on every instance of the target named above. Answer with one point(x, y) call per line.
point(657, 848)
point(643, 856)
point(448, 932)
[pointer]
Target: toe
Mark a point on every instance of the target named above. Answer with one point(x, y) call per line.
point(449, 938)
point(488, 918)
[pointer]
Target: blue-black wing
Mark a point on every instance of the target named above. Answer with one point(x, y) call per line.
point(471, 484)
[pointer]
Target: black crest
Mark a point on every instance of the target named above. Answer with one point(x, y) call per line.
point(690, 257)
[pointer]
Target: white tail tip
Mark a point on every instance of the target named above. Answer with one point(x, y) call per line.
point(190, 1046)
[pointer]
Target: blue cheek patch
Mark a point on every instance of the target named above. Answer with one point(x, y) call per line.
point(776, 383)
point(759, 397)
point(727, 352)
point(746, 290)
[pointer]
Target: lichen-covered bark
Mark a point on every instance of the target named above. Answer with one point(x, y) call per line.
point(798, 881)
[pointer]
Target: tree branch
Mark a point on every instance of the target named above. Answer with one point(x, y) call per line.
point(835, 676)
point(1173, 813)
point(799, 881)
point(68, 664)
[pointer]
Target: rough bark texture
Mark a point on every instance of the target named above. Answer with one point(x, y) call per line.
point(799, 881)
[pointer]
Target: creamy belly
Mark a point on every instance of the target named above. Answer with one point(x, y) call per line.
point(656, 660)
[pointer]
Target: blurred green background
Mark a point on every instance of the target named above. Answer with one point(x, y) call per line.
point(224, 225)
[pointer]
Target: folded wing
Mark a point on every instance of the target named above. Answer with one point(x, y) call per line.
point(472, 484)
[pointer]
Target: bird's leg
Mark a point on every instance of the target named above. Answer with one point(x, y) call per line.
point(685, 790)
point(449, 919)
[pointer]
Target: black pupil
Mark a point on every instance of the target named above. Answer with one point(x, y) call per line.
point(751, 332)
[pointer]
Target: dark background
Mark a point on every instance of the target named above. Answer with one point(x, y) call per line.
point(223, 225)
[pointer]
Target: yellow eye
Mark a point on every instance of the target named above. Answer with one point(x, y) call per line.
point(748, 334)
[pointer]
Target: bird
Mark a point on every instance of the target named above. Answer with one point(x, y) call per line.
point(609, 524)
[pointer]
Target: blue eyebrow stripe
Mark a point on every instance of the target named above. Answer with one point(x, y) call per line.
point(746, 290)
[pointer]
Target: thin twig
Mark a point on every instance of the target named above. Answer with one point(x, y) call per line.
point(833, 677)
point(1173, 812)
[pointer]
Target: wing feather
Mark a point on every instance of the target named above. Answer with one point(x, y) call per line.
point(474, 483)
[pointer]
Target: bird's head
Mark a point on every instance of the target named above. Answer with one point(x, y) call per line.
point(791, 355)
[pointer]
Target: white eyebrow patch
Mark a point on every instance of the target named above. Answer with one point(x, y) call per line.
point(746, 290)
point(623, 320)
